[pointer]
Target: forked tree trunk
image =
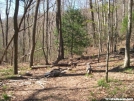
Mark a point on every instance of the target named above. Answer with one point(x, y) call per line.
point(128, 35)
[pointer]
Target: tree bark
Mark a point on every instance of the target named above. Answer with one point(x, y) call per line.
point(128, 35)
point(108, 37)
point(99, 31)
point(59, 30)
point(24, 35)
point(116, 26)
point(34, 33)
point(7, 27)
point(123, 11)
point(16, 31)
point(16, 23)
point(2, 28)
point(93, 23)
point(47, 26)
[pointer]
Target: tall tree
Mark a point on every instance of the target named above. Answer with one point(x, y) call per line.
point(24, 33)
point(47, 27)
point(123, 7)
point(93, 22)
point(116, 26)
point(8, 5)
point(2, 28)
point(43, 33)
point(16, 31)
point(128, 35)
point(59, 30)
point(34, 33)
point(108, 37)
point(99, 31)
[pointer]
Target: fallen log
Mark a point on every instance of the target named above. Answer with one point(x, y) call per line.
point(45, 66)
point(62, 64)
point(41, 66)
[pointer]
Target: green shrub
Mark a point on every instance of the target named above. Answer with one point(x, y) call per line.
point(103, 83)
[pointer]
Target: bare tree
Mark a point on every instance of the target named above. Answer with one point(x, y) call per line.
point(2, 28)
point(34, 33)
point(8, 5)
point(99, 31)
point(28, 32)
point(24, 33)
point(93, 22)
point(15, 36)
point(16, 31)
point(115, 27)
point(47, 27)
point(59, 30)
point(108, 37)
point(128, 35)
point(123, 7)
point(112, 27)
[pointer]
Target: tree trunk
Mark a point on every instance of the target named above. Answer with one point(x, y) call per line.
point(29, 33)
point(7, 27)
point(93, 23)
point(34, 33)
point(108, 37)
point(59, 30)
point(3, 36)
point(16, 31)
point(112, 28)
point(116, 25)
point(43, 34)
point(123, 11)
point(47, 26)
point(24, 36)
point(98, 18)
point(128, 35)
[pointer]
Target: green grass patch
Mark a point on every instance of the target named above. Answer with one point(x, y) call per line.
point(129, 70)
point(113, 91)
point(89, 75)
point(5, 97)
point(4, 73)
point(103, 83)
point(7, 73)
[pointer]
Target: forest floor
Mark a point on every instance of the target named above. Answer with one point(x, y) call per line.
point(75, 85)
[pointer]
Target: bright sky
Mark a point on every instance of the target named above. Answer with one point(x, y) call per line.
point(78, 3)
point(3, 8)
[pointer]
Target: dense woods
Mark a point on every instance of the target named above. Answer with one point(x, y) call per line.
point(43, 33)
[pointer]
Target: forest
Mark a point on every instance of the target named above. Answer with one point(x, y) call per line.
point(66, 50)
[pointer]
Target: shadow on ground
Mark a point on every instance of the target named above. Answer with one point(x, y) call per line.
point(52, 96)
